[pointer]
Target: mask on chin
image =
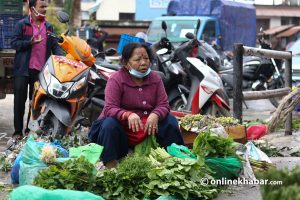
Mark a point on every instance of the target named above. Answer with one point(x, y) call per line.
point(38, 15)
point(138, 74)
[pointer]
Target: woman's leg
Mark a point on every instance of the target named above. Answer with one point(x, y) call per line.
point(109, 133)
point(169, 132)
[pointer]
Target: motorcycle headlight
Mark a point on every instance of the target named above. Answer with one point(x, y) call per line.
point(57, 89)
point(79, 84)
point(47, 75)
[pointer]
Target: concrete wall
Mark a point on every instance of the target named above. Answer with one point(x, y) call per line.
point(110, 9)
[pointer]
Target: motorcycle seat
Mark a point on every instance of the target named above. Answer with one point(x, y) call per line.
point(110, 66)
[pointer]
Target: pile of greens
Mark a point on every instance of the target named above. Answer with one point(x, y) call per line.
point(179, 177)
point(209, 145)
point(136, 177)
point(73, 174)
point(127, 181)
point(289, 189)
point(198, 122)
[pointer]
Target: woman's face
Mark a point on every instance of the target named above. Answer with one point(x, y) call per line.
point(139, 60)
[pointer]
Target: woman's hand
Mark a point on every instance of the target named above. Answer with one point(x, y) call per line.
point(134, 122)
point(151, 126)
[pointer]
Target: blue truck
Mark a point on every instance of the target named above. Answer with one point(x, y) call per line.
point(221, 22)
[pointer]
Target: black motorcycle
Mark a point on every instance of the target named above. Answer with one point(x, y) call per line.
point(258, 74)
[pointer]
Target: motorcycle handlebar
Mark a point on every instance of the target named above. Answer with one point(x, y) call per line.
point(60, 39)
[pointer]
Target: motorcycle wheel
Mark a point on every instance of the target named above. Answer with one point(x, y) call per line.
point(214, 110)
point(53, 127)
point(177, 105)
point(276, 84)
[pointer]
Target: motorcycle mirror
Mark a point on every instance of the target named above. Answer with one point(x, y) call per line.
point(162, 51)
point(189, 35)
point(110, 52)
point(63, 17)
point(164, 27)
point(197, 27)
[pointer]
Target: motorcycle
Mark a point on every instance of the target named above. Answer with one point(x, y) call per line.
point(258, 74)
point(203, 91)
point(62, 88)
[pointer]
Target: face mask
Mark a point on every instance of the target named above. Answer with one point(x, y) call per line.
point(138, 74)
point(38, 15)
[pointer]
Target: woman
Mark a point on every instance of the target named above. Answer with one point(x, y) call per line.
point(136, 105)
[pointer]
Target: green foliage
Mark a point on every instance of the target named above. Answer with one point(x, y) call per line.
point(73, 174)
point(125, 182)
point(197, 122)
point(145, 147)
point(5, 165)
point(178, 177)
point(288, 190)
point(51, 17)
point(208, 145)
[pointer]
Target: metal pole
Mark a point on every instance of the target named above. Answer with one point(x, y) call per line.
point(288, 83)
point(238, 80)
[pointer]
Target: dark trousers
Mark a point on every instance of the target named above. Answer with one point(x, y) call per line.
point(20, 96)
point(109, 133)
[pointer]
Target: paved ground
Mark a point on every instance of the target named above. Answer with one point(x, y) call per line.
point(259, 109)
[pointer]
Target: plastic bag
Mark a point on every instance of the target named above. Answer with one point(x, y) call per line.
point(37, 193)
point(91, 152)
point(255, 132)
point(250, 150)
point(229, 167)
point(180, 151)
point(31, 163)
point(16, 166)
point(219, 131)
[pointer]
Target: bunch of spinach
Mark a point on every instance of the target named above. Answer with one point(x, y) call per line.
point(126, 181)
point(209, 145)
point(179, 177)
point(73, 174)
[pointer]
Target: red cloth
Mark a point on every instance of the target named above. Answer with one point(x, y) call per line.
point(135, 138)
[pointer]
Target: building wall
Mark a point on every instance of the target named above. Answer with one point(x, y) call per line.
point(149, 9)
point(110, 9)
point(275, 21)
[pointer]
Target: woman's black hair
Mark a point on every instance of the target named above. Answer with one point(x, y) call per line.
point(130, 47)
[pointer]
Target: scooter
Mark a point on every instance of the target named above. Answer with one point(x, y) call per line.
point(61, 90)
point(204, 89)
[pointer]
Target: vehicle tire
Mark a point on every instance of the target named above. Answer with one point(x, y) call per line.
point(53, 127)
point(276, 84)
point(177, 104)
point(211, 108)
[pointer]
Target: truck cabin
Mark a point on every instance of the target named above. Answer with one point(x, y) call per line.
point(178, 26)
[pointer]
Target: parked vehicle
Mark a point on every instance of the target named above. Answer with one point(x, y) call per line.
point(258, 74)
point(295, 49)
point(61, 90)
point(10, 14)
point(218, 25)
point(203, 91)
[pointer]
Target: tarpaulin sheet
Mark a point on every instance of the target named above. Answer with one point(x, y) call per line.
point(237, 20)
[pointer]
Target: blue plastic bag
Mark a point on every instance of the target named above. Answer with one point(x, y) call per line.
point(32, 146)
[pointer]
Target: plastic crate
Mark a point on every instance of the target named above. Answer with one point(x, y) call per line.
point(125, 39)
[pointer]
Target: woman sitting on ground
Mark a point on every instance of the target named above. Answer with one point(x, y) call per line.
point(136, 105)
